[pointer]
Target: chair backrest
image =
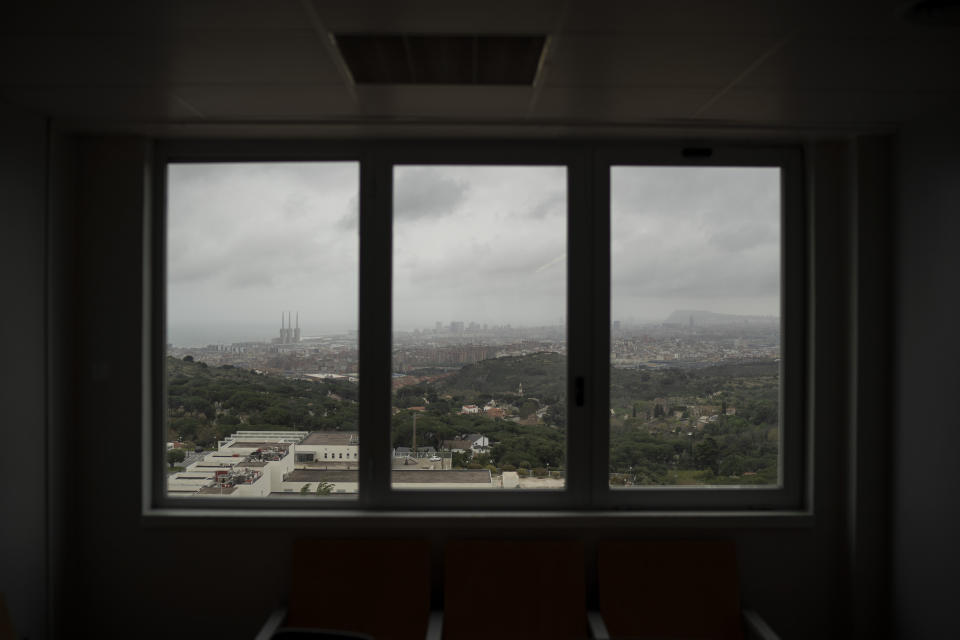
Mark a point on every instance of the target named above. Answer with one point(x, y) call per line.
point(377, 587)
point(6, 624)
point(514, 590)
point(670, 589)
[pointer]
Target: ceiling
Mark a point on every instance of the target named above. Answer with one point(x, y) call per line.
point(657, 63)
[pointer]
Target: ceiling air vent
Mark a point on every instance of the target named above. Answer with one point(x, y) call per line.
point(441, 59)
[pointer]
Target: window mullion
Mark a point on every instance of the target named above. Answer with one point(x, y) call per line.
point(375, 325)
point(579, 333)
point(600, 329)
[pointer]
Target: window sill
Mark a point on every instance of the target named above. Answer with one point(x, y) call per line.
point(486, 519)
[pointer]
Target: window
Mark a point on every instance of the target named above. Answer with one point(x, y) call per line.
point(524, 326)
point(258, 360)
point(695, 339)
point(479, 336)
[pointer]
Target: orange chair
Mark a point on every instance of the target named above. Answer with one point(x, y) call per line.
point(378, 588)
point(671, 589)
point(514, 591)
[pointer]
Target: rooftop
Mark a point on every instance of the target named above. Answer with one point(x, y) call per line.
point(331, 438)
point(216, 491)
point(247, 444)
point(457, 444)
point(424, 476)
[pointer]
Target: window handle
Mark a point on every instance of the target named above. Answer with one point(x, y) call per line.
point(578, 390)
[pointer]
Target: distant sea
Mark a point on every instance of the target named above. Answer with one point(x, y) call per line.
point(202, 335)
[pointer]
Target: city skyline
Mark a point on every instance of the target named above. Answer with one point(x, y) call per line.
point(200, 336)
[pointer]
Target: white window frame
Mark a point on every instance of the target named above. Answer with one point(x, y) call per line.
point(587, 492)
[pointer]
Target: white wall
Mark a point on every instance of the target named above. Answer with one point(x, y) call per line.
point(257, 489)
point(23, 507)
point(333, 451)
point(926, 448)
point(276, 470)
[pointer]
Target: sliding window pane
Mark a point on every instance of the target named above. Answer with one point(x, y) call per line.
point(479, 333)
point(261, 364)
point(695, 336)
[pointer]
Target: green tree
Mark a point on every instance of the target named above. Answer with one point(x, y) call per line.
point(324, 488)
point(460, 459)
point(705, 455)
point(206, 435)
point(176, 455)
point(439, 408)
point(305, 489)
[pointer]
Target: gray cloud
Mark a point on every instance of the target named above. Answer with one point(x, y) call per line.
point(425, 192)
point(554, 204)
point(484, 260)
point(471, 243)
point(248, 240)
point(700, 237)
point(350, 220)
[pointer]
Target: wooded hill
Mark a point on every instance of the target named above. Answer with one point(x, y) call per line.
point(657, 431)
point(207, 403)
point(651, 442)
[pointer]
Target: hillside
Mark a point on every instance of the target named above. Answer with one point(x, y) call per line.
point(543, 376)
point(657, 432)
point(207, 403)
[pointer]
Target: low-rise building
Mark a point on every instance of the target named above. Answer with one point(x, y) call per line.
point(238, 468)
point(457, 446)
point(494, 412)
point(331, 446)
point(479, 443)
point(346, 481)
point(262, 463)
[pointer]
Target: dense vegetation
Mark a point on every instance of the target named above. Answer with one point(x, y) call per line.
point(667, 426)
point(538, 443)
point(716, 424)
point(543, 376)
point(208, 403)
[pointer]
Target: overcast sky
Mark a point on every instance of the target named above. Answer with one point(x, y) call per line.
point(479, 244)
point(485, 244)
point(694, 238)
point(247, 241)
